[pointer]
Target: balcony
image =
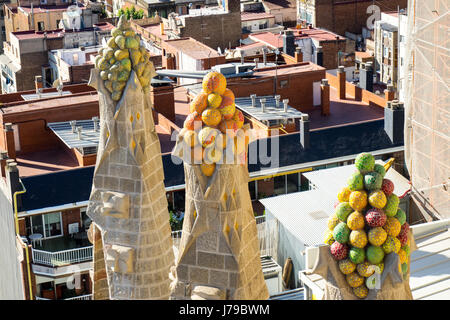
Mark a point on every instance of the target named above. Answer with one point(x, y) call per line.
point(83, 297)
point(62, 251)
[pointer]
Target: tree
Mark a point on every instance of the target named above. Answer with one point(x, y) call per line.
point(131, 13)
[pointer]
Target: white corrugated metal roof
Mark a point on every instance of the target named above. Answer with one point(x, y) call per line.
point(430, 263)
point(304, 214)
point(333, 179)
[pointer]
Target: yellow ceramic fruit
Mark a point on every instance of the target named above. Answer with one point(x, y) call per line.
point(344, 194)
point(392, 226)
point(207, 136)
point(358, 200)
point(358, 238)
point(377, 236)
point(227, 111)
point(208, 169)
point(328, 237)
point(214, 82)
point(355, 221)
point(346, 266)
point(214, 100)
point(361, 291)
point(403, 256)
point(397, 245)
point(377, 199)
point(364, 270)
point(333, 220)
point(212, 155)
point(211, 117)
point(190, 137)
point(354, 280)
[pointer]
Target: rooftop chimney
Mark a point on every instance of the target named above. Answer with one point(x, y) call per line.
point(289, 43)
point(95, 120)
point(325, 97)
point(277, 100)
point(263, 104)
point(304, 131)
point(12, 179)
point(253, 97)
point(366, 77)
point(298, 55)
point(73, 124)
point(3, 158)
point(10, 142)
point(79, 130)
point(264, 56)
point(285, 104)
point(256, 60)
point(319, 56)
point(394, 121)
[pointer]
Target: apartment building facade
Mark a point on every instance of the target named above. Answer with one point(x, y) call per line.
point(390, 36)
point(343, 16)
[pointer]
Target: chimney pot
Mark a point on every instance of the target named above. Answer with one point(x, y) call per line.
point(3, 155)
point(285, 104)
point(95, 120)
point(253, 97)
point(277, 100)
point(79, 130)
point(341, 69)
point(263, 104)
point(73, 124)
point(325, 82)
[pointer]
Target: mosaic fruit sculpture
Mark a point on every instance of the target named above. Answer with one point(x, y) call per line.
point(219, 125)
point(346, 266)
point(367, 224)
point(122, 54)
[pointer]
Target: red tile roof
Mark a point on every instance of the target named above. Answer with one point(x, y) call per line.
point(276, 41)
point(44, 8)
point(249, 16)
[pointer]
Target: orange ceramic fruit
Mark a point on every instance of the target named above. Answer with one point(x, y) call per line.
point(238, 117)
point(190, 137)
point(214, 82)
point(214, 100)
point(208, 169)
point(228, 127)
point(227, 111)
point(227, 98)
point(211, 117)
point(193, 121)
point(207, 136)
point(199, 103)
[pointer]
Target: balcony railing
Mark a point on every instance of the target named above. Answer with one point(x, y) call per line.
point(83, 297)
point(62, 258)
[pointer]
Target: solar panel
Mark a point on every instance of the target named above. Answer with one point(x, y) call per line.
point(85, 138)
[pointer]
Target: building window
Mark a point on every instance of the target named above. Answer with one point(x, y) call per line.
point(85, 220)
point(41, 26)
point(252, 190)
point(49, 225)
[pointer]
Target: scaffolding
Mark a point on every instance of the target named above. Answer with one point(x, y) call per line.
point(427, 116)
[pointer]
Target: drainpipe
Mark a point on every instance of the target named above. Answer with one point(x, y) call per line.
point(13, 165)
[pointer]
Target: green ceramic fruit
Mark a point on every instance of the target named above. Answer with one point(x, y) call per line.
point(341, 232)
point(364, 162)
point(356, 255)
point(356, 182)
point(374, 254)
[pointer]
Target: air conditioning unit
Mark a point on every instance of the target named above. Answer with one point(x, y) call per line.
point(272, 272)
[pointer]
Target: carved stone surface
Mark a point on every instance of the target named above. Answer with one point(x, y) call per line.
point(128, 200)
point(219, 247)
